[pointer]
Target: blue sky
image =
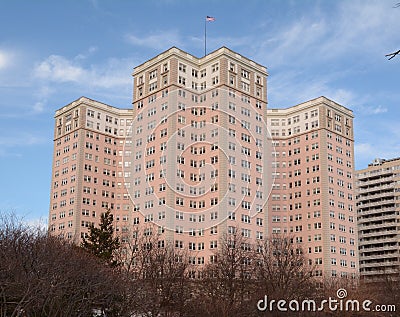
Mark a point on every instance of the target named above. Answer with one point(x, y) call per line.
point(53, 52)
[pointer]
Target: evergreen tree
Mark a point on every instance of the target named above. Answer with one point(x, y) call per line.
point(101, 241)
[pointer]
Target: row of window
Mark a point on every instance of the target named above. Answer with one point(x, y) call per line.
point(313, 135)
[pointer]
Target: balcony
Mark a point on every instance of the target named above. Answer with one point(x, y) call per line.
point(376, 203)
point(376, 196)
point(364, 190)
point(365, 220)
point(378, 226)
point(380, 264)
point(362, 213)
point(381, 250)
point(378, 240)
point(379, 272)
point(377, 233)
point(376, 173)
point(376, 181)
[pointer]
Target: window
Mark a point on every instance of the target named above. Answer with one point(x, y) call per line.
point(246, 233)
point(182, 67)
point(245, 218)
point(182, 80)
point(179, 201)
point(245, 74)
point(246, 205)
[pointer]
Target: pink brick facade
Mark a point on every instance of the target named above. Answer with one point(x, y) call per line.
point(87, 166)
point(313, 193)
point(199, 155)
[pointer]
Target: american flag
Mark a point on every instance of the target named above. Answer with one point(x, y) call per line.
point(210, 19)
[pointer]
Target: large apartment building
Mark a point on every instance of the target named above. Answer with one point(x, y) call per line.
point(87, 176)
point(199, 156)
point(200, 148)
point(312, 195)
point(378, 218)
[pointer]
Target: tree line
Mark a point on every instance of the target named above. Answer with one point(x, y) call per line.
point(42, 275)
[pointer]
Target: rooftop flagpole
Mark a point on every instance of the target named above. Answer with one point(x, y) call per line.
point(205, 37)
point(208, 19)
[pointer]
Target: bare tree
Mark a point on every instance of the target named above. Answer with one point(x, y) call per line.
point(283, 270)
point(383, 290)
point(228, 282)
point(158, 272)
point(46, 276)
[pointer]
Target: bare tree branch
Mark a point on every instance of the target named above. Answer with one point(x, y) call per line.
point(46, 276)
point(392, 55)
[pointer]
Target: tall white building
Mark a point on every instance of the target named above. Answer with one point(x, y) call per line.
point(378, 218)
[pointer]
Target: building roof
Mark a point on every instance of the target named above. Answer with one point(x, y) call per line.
point(200, 60)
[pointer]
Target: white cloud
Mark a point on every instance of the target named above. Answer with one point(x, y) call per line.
point(38, 106)
point(371, 110)
point(21, 140)
point(91, 50)
point(160, 41)
point(291, 87)
point(111, 78)
point(299, 38)
point(5, 59)
point(321, 52)
point(7, 153)
point(58, 68)
point(113, 73)
point(12, 144)
point(214, 43)
point(342, 96)
point(362, 149)
point(363, 27)
point(42, 94)
point(369, 143)
point(364, 153)
point(352, 30)
point(379, 109)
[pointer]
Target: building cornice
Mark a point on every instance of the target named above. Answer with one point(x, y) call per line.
point(92, 103)
point(200, 61)
point(309, 104)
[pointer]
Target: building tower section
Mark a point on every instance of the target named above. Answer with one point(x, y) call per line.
point(377, 190)
point(201, 148)
point(312, 196)
point(87, 172)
